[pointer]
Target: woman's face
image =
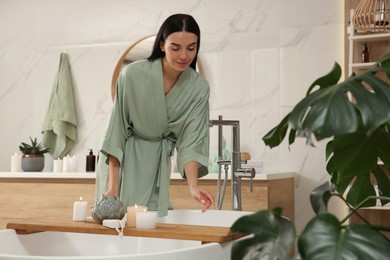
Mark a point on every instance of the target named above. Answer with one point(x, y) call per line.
point(180, 49)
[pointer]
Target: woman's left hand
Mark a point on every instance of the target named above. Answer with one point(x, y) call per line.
point(202, 196)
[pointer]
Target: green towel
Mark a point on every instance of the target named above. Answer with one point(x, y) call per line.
point(60, 125)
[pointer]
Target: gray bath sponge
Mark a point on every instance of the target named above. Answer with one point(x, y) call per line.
point(108, 208)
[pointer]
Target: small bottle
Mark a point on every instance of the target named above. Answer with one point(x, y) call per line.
point(91, 159)
point(365, 53)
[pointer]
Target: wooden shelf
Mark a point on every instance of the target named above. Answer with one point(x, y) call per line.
point(379, 45)
point(369, 37)
point(206, 234)
point(362, 65)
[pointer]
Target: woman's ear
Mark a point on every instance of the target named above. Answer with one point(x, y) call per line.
point(162, 46)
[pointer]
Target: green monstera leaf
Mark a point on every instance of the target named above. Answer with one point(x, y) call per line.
point(273, 236)
point(320, 196)
point(355, 114)
point(325, 238)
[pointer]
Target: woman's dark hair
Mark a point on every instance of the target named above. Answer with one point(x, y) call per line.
point(175, 23)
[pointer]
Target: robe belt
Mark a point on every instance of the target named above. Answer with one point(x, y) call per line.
point(163, 174)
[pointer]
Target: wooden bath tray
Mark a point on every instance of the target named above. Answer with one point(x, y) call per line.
point(206, 234)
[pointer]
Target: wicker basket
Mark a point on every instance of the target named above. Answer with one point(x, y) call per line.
point(372, 16)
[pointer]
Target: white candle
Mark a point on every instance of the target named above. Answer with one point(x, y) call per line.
point(57, 165)
point(16, 163)
point(65, 163)
point(72, 164)
point(80, 210)
point(132, 213)
point(146, 220)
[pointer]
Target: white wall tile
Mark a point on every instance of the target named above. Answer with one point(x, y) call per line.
point(259, 57)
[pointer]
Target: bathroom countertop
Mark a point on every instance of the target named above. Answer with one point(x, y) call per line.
point(259, 176)
point(92, 175)
point(51, 175)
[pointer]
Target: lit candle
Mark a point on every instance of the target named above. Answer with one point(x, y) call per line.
point(57, 165)
point(65, 163)
point(80, 210)
point(72, 164)
point(132, 213)
point(16, 163)
point(146, 220)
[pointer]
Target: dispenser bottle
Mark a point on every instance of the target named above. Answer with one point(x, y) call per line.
point(91, 159)
point(365, 53)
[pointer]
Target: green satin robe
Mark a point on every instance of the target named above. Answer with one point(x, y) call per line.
point(146, 127)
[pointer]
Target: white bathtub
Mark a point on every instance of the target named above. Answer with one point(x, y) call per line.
point(72, 246)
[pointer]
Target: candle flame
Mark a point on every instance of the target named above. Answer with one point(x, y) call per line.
point(81, 198)
point(135, 205)
point(145, 211)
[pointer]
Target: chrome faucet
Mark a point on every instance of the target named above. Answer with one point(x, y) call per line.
point(237, 172)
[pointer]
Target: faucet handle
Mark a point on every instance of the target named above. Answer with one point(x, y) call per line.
point(224, 162)
point(245, 156)
point(246, 173)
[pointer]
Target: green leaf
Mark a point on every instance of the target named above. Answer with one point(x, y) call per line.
point(291, 136)
point(381, 140)
point(366, 100)
point(320, 114)
point(356, 114)
point(34, 148)
point(329, 149)
point(320, 196)
point(383, 182)
point(385, 62)
point(360, 190)
point(328, 80)
point(342, 183)
point(329, 112)
point(276, 135)
point(244, 247)
point(273, 235)
point(325, 238)
point(354, 154)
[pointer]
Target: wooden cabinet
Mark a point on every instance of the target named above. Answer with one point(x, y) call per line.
point(377, 216)
point(42, 198)
point(53, 198)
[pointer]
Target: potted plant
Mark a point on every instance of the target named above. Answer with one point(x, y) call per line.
point(33, 159)
point(354, 117)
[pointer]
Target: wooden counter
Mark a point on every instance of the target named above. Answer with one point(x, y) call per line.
point(51, 195)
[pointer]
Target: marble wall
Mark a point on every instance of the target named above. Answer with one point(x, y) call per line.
point(259, 56)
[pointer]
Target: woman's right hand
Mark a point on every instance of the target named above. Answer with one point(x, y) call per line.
point(111, 192)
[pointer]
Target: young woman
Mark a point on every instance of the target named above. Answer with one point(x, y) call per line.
point(161, 104)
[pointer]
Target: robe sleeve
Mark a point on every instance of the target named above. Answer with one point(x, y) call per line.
point(119, 125)
point(193, 142)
